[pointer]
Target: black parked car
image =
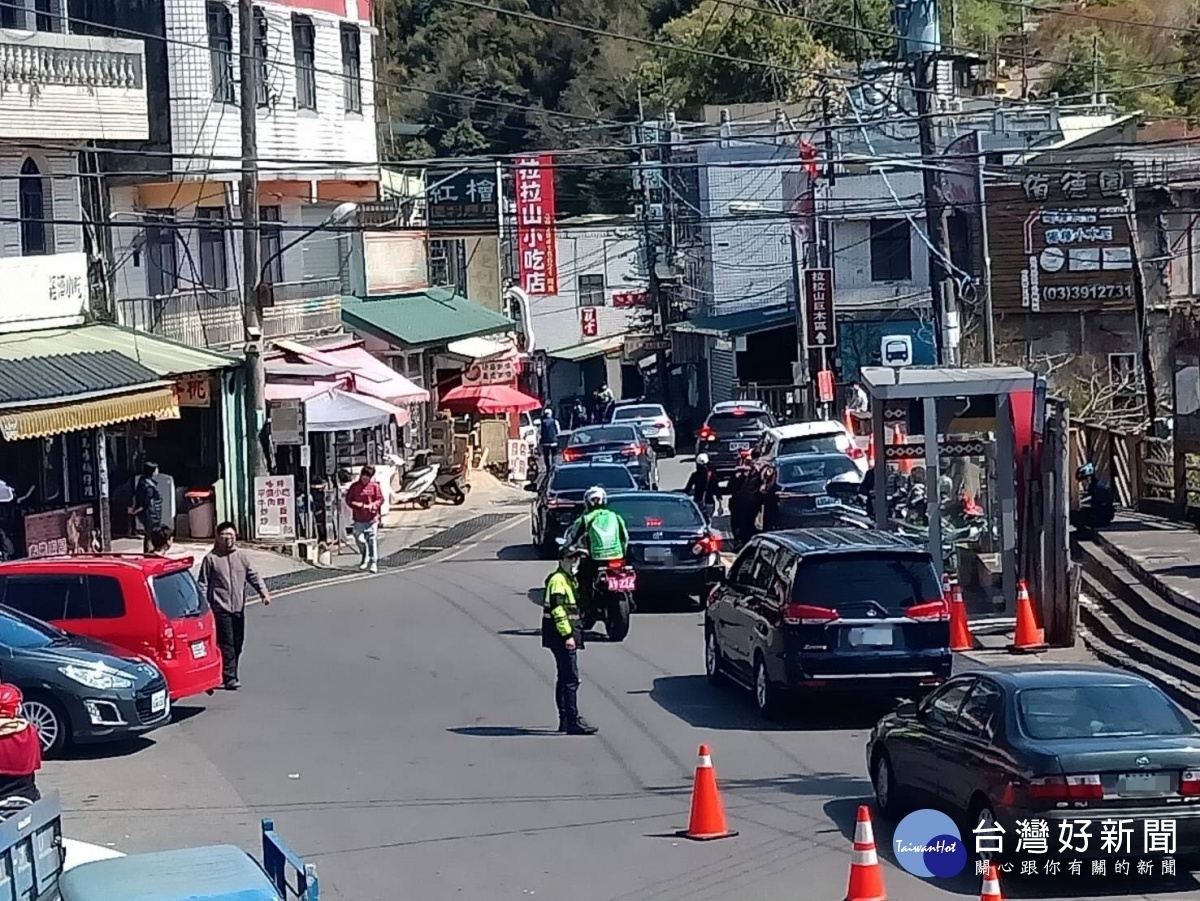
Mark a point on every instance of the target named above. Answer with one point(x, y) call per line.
point(732, 427)
point(671, 546)
point(804, 501)
point(624, 444)
point(1043, 742)
point(828, 611)
point(78, 690)
point(560, 498)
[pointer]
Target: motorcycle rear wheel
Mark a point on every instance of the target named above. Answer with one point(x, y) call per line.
point(617, 621)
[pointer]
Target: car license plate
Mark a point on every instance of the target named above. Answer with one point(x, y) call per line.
point(658, 554)
point(604, 458)
point(199, 650)
point(1143, 783)
point(158, 701)
point(872, 637)
point(739, 445)
point(625, 582)
point(826, 501)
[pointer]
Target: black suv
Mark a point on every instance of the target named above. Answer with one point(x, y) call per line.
point(828, 610)
point(732, 427)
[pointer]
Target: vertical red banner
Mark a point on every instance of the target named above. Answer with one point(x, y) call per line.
point(537, 257)
point(589, 322)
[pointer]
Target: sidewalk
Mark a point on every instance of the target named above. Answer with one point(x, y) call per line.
point(404, 530)
point(1163, 554)
point(992, 652)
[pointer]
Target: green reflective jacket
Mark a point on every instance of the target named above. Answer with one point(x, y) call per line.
point(560, 602)
point(606, 534)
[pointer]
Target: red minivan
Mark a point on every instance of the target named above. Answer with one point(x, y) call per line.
point(149, 606)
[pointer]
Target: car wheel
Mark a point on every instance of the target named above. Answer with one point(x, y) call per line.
point(980, 816)
point(712, 658)
point(53, 727)
point(766, 695)
point(887, 791)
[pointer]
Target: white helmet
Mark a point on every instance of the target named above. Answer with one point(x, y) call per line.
point(595, 497)
point(701, 459)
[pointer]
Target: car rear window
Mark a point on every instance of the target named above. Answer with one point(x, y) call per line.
point(814, 469)
point(1097, 711)
point(650, 412)
point(894, 582)
point(603, 434)
point(571, 478)
point(177, 595)
point(809, 444)
point(657, 512)
point(745, 421)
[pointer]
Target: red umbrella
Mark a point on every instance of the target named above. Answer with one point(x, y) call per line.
point(488, 399)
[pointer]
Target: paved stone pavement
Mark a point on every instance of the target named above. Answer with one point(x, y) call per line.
point(1163, 553)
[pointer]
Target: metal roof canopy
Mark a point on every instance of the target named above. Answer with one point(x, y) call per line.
point(932, 384)
point(886, 383)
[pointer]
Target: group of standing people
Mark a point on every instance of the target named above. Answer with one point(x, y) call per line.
point(753, 488)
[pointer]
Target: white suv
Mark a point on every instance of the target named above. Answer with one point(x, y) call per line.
point(653, 422)
point(821, 437)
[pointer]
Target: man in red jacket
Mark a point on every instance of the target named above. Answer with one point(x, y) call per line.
point(365, 499)
point(20, 748)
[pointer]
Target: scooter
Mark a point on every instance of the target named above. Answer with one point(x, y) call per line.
point(451, 485)
point(418, 485)
point(611, 597)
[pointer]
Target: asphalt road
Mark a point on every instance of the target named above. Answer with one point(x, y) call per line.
point(398, 729)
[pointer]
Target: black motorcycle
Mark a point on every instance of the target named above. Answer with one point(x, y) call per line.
point(610, 598)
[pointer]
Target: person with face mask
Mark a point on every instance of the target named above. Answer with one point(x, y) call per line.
point(703, 486)
point(224, 574)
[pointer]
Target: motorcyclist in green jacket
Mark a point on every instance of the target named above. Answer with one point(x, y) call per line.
point(562, 634)
point(605, 534)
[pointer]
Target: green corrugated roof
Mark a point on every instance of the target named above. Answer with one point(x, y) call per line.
point(160, 355)
point(597, 347)
point(744, 323)
point(422, 318)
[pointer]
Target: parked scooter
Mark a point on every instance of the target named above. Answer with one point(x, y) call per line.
point(418, 485)
point(451, 485)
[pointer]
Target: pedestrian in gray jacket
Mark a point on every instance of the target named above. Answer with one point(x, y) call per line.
point(224, 574)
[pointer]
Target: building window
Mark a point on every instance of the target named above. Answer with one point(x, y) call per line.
point(8, 16)
point(162, 263)
point(213, 271)
point(261, 52)
point(303, 42)
point(891, 250)
point(43, 15)
point(270, 243)
point(220, 51)
point(351, 69)
point(591, 290)
point(439, 263)
point(34, 230)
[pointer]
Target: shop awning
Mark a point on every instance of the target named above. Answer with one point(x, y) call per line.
point(164, 358)
point(425, 318)
point(153, 402)
point(727, 325)
point(589, 349)
point(481, 348)
point(277, 391)
point(488, 399)
point(371, 376)
point(344, 411)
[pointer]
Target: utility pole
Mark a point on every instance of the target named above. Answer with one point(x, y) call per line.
point(252, 300)
point(658, 301)
point(945, 310)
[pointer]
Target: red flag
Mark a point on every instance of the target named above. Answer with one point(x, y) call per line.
point(808, 156)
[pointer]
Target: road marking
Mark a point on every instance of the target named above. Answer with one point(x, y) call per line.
point(441, 558)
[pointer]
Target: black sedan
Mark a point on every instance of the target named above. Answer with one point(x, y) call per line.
point(560, 498)
point(78, 690)
point(1043, 743)
point(804, 501)
point(623, 444)
point(671, 547)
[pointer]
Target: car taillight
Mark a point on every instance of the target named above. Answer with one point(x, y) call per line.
point(166, 640)
point(931, 612)
point(556, 503)
point(570, 456)
point(1189, 783)
point(709, 544)
point(805, 615)
point(1066, 788)
point(856, 453)
point(616, 564)
point(633, 450)
point(707, 434)
point(789, 496)
point(662, 423)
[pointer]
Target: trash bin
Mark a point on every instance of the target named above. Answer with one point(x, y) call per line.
point(201, 512)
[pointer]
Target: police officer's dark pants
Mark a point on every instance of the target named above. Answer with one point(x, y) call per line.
point(548, 451)
point(566, 683)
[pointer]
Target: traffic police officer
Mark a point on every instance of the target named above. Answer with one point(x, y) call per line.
point(563, 635)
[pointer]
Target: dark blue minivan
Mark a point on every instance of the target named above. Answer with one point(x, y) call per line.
point(828, 611)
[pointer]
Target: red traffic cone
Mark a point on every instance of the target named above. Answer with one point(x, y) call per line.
point(866, 875)
point(1028, 637)
point(991, 885)
point(707, 821)
point(960, 630)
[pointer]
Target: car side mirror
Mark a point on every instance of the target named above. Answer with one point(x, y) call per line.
point(908, 710)
point(531, 486)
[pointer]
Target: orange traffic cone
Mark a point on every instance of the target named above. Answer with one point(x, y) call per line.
point(707, 821)
point(905, 464)
point(1028, 637)
point(991, 885)
point(960, 630)
point(946, 587)
point(866, 875)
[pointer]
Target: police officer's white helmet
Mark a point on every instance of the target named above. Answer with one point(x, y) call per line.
point(595, 497)
point(701, 459)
